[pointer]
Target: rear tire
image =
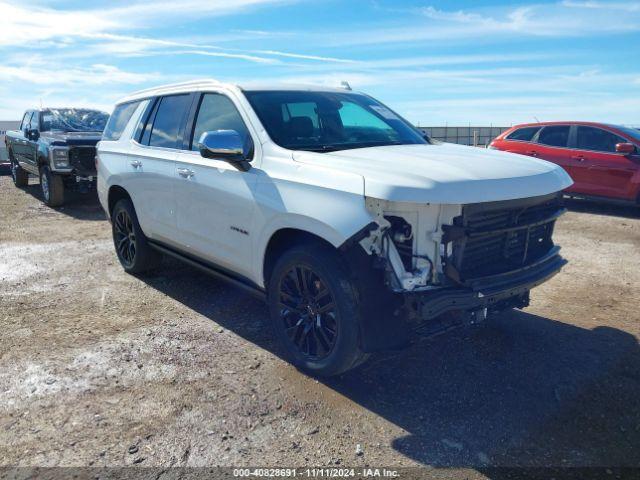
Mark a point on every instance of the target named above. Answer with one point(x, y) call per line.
point(132, 247)
point(313, 304)
point(18, 174)
point(52, 187)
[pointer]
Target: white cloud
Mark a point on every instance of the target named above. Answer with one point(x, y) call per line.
point(540, 20)
point(146, 12)
point(207, 53)
point(33, 23)
point(304, 57)
point(97, 74)
point(22, 25)
point(626, 6)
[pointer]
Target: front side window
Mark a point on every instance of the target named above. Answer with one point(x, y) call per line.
point(25, 121)
point(523, 134)
point(591, 138)
point(169, 120)
point(555, 136)
point(217, 112)
point(73, 120)
point(34, 124)
point(330, 121)
point(634, 133)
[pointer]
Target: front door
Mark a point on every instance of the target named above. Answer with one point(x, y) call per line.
point(31, 149)
point(215, 201)
point(603, 171)
point(19, 146)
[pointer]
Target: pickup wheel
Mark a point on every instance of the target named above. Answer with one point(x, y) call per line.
point(132, 247)
point(20, 176)
point(52, 187)
point(314, 310)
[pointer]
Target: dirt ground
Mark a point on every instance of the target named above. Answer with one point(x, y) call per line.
point(102, 368)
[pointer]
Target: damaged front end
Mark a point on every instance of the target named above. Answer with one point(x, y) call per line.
point(407, 241)
point(465, 258)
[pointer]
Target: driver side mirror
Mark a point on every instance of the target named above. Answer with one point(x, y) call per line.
point(625, 148)
point(33, 134)
point(224, 145)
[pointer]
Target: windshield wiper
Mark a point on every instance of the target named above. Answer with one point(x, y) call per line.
point(315, 148)
point(344, 146)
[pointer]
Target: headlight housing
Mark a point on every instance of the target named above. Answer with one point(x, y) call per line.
point(59, 157)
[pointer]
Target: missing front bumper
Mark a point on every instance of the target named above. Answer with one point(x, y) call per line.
point(506, 291)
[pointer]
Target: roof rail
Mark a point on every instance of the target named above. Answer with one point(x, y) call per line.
point(173, 85)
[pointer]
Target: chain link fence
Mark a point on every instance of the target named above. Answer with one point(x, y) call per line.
point(473, 136)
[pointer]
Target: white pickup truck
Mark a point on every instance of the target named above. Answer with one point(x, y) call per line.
point(354, 227)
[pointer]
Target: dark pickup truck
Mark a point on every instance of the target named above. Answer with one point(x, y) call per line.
point(59, 146)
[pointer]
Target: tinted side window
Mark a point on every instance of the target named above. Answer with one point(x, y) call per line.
point(524, 134)
point(118, 120)
point(34, 124)
point(555, 136)
point(591, 138)
point(169, 121)
point(25, 120)
point(217, 112)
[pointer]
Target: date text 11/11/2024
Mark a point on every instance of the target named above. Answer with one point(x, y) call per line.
point(316, 473)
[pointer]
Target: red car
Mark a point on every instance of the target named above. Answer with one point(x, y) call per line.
point(603, 160)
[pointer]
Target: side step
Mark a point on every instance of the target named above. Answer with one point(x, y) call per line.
point(212, 270)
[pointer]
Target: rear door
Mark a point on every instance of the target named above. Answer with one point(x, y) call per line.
point(520, 141)
point(151, 166)
point(215, 202)
point(602, 171)
point(552, 145)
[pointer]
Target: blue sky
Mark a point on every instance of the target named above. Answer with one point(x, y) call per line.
point(436, 62)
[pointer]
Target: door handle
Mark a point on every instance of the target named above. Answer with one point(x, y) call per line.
point(533, 153)
point(185, 172)
point(580, 158)
point(136, 163)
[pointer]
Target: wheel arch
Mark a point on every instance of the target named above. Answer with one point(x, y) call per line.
point(42, 160)
point(283, 239)
point(116, 193)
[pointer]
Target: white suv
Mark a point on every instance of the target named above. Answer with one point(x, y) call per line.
point(353, 226)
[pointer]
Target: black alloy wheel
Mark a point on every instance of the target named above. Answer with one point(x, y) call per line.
point(313, 303)
point(309, 312)
point(132, 246)
point(125, 238)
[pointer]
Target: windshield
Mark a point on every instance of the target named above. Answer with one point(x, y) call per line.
point(73, 120)
point(632, 132)
point(330, 121)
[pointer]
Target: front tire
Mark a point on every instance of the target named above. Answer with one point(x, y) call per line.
point(132, 247)
point(52, 187)
point(313, 304)
point(18, 174)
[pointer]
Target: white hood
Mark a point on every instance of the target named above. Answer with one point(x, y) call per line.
point(444, 173)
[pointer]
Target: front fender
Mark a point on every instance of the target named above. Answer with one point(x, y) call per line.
point(333, 214)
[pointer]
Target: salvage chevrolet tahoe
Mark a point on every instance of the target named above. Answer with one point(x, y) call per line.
point(355, 228)
point(57, 145)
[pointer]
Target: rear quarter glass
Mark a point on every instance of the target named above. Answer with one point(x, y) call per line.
point(119, 120)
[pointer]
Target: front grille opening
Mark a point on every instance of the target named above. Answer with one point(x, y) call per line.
point(502, 236)
point(83, 158)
